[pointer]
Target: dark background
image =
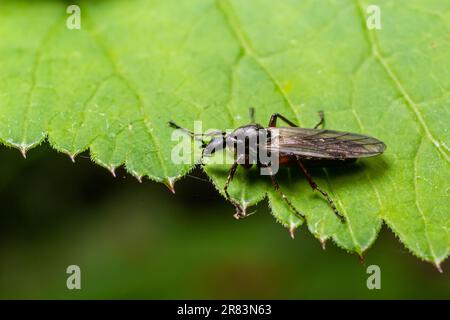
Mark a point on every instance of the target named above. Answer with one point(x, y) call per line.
point(135, 240)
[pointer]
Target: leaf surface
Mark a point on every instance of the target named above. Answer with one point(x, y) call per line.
point(112, 86)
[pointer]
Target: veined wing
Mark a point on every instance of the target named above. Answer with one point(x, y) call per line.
point(323, 144)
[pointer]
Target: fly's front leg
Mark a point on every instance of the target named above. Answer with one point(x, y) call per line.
point(240, 212)
point(314, 185)
point(275, 116)
point(322, 119)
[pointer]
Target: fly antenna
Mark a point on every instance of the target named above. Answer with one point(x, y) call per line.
point(175, 126)
point(195, 135)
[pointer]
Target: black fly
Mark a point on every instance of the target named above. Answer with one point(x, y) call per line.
point(295, 146)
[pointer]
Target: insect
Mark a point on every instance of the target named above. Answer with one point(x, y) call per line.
point(295, 146)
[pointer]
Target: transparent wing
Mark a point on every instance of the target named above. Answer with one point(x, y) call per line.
point(323, 144)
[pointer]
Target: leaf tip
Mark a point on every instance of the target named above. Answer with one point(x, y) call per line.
point(113, 171)
point(137, 176)
point(437, 265)
point(292, 229)
point(362, 259)
point(170, 184)
point(323, 243)
point(23, 151)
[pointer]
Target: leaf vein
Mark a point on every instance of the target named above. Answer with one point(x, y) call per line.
point(376, 52)
point(120, 74)
point(36, 63)
point(227, 10)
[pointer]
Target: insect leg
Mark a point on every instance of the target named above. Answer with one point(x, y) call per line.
point(275, 116)
point(314, 185)
point(240, 213)
point(276, 186)
point(322, 119)
point(251, 113)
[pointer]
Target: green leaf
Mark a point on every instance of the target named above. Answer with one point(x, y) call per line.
point(111, 87)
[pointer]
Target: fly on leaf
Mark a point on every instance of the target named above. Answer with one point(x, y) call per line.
point(294, 146)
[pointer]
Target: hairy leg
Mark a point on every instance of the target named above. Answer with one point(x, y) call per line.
point(240, 213)
point(275, 116)
point(322, 119)
point(276, 186)
point(314, 185)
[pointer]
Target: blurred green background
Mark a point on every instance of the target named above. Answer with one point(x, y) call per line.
point(136, 240)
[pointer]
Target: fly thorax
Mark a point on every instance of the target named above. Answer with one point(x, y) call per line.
point(245, 141)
